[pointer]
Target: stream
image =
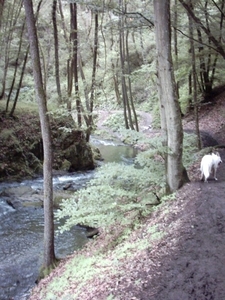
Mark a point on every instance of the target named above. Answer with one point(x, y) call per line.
point(21, 229)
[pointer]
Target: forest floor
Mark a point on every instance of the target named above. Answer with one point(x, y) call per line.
point(187, 261)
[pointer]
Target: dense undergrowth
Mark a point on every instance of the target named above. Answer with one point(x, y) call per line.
point(107, 254)
point(122, 193)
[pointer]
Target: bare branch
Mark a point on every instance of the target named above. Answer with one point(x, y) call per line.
point(217, 44)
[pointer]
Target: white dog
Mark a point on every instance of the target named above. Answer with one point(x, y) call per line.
point(209, 163)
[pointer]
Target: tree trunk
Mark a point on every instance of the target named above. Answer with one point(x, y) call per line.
point(74, 37)
point(122, 47)
point(56, 44)
point(194, 77)
point(49, 254)
point(170, 110)
point(16, 68)
point(129, 85)
point(20, 82)
point(94, 68)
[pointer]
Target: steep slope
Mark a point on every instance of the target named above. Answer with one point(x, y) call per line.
point(177, 253)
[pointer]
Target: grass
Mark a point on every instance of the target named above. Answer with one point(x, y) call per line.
point(95, 264)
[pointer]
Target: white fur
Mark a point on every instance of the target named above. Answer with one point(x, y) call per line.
point(210, 163)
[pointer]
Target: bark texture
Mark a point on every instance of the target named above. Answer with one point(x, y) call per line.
point(169, 105)
point(49, 255)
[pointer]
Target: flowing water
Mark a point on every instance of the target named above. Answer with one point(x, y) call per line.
point(21, 229)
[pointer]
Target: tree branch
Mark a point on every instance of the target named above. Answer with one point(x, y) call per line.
point(135, 13)
point(218, 45)
point(207, 45)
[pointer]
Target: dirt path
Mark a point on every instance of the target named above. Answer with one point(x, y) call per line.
point(192, 256)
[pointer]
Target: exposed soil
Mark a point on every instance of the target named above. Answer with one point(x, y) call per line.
point(188, 262)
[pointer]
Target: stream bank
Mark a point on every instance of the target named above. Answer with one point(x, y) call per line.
point(22, 148)
point(21, 227)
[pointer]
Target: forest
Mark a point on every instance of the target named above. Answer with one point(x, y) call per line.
point(107, 40)
point(77, 58)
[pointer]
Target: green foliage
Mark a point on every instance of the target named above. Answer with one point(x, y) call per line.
point(118, 193)
point(111, 297)
point(141, 53)
point(128, 247)
point(131, 137)
point(122, 193)
point(60, 112)
point(82, 269)
point(155, 233)
point(145, 92)
point(7, 135)
point(115, 121)
point(170, 197)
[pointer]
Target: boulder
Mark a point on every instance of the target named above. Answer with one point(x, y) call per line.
point(22, 148)
point(80, 157)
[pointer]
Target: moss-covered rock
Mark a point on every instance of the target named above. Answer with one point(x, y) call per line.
point(22, 148)
point(80, 156)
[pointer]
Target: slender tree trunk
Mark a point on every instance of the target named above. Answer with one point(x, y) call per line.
point(176, 43)
point(69, 63)
point(170, 110)
point(49, 254)
point(123, 83)
point(20, 83)
point(74, 37)
point(16, 67)
point(194, 77)
point(129, 85)
point(56, 44)
point(93, 79)
point(116, 85)
point(122, 45)
point(94, 68)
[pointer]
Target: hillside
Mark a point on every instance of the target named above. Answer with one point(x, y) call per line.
point(177, 252)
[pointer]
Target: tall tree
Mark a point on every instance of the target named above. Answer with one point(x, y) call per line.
point(49, 254)
point(194, 77)
point(56, 46)
point(171, 124)
point(74, 63)
point(90, 101)
point(122, 47)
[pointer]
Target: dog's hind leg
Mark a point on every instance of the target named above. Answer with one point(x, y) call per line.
point(206, 175)
point(214, 172)
point(202, 176)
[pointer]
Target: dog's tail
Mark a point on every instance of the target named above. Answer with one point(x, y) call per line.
point(205, 172)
